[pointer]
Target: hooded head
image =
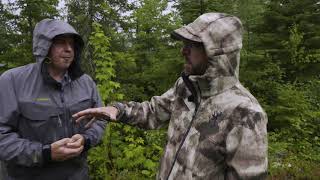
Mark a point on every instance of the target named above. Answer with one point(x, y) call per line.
point(221, 36)
point(44, 33)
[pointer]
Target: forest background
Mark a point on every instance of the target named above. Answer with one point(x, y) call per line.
point(130, 55)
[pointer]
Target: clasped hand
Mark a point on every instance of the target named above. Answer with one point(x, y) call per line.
point(67, 148)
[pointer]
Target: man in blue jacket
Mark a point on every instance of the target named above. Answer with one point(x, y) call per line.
point(38, 138)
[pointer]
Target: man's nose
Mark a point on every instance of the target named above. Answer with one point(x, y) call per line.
point(68, 46)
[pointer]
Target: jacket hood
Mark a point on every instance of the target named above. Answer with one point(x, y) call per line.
point(221, 35)
point(43, 34)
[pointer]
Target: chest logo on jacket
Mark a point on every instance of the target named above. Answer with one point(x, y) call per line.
point(215, 118)
point(211, 125)
point(42, 99)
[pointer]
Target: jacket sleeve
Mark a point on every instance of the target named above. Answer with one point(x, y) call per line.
point(151, 114)
point(12, 146)
point(246, 145)
point(95, 132)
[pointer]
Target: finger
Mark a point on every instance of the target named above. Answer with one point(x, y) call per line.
point(82, 118)
point(76, 137)
point(61, 142)
point(112, 112)
point(88, 125)
point(74, 142)
point(77, 141)
point(74, 145)
point(70, 151)
point(67, 153)
point(79, 114)
point(112, 117)
point(79, 151)
point(84, 112)
point(73, 152)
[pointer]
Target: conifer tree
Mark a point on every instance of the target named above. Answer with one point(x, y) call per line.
point(23, 15)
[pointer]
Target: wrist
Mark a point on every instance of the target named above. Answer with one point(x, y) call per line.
point(120, 110)
point(46, 153)
point(87, 143)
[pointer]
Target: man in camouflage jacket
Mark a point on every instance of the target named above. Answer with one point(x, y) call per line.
point(217, 129)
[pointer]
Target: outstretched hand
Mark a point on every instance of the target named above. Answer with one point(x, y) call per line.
point(108, 112)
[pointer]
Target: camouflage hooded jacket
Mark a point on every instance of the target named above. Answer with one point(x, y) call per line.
point(222, 129)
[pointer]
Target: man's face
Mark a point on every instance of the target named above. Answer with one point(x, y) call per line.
point(61, 52)
point(196, 59)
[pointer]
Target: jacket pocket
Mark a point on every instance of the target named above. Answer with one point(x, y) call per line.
point(79, 105)
point(40, 122)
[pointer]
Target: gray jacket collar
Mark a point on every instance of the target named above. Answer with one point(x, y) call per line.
point(52, 82)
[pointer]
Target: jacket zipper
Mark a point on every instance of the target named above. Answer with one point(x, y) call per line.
point(197, 103)
point(64, 111)
point(59, 121)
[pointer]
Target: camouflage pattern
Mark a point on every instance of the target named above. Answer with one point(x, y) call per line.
point(228, 136)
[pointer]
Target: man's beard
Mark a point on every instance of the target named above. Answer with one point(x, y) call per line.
point(191, 69)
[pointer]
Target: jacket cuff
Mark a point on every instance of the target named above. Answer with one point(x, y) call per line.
point(46, 153)
point(87, 144)
point(121, 112)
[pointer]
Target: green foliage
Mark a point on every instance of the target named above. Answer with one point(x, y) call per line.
point(150, 64)
point(284, 83)
point(134, 153)
point(107, 88)
point(110, 14)
point(128, 43)
point(303, 64)
point(287, 30)
point(142, 71)
point(288, 157)
point(126, 153)
point(104, 64)
point(18, 19)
